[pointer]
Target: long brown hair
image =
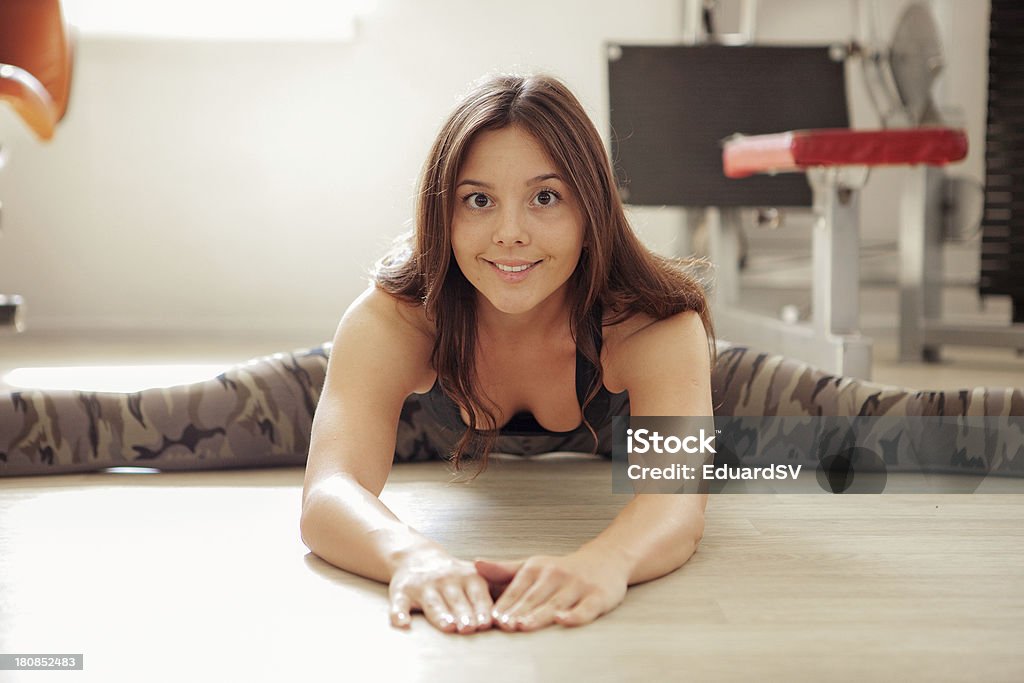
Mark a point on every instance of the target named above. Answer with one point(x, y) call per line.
point(615, 271)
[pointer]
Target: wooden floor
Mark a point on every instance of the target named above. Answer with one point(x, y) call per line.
point(202, 577)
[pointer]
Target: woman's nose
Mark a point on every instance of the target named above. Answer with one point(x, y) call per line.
point(509, 229)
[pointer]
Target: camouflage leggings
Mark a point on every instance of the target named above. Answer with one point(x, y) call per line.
point(260, 414)
point(257, 414)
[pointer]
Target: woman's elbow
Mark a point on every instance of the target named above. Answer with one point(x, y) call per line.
point(698, 535)
point(306, 525)
point(694, 529)
point(311, 519)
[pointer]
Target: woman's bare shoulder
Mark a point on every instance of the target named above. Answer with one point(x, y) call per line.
point(625, 327)
point(382, 329)
point(398, 316)
point(628, 339)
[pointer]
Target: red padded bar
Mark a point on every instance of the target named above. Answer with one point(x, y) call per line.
point(797, 150)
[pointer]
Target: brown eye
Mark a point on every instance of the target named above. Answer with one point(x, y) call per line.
point(480, 201)
point(546, 197)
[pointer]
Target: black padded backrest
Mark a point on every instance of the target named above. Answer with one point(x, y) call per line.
point(672, 105)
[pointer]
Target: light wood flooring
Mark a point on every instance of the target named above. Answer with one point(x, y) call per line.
point(202, 576)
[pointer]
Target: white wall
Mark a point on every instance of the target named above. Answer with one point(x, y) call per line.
point(206, 187)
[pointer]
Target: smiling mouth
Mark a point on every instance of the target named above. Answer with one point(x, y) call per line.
point(513, 269)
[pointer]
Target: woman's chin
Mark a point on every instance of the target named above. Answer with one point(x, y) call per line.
point(513, 305)
point(517, 308)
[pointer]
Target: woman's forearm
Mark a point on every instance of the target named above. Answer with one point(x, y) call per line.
point(351, 528)
point(653, 535)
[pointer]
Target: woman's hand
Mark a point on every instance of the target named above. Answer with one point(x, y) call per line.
point(570, 590)
point(449, 592)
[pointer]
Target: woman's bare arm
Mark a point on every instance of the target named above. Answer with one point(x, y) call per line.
point(378, 359)
point(666, 368)
point(373, 367)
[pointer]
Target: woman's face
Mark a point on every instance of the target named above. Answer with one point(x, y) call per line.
point(517, 231)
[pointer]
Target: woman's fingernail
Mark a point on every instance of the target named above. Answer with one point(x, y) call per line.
point(482, 619)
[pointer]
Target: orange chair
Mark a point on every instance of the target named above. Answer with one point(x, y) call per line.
point(35, 79)
point(35, 62)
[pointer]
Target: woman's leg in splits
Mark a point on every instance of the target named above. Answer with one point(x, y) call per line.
point(748, 383)
point(257, 414)
point(260, 414)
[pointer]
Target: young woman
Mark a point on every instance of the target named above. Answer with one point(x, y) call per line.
point(520, 316)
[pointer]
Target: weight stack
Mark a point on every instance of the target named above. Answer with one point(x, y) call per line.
point(1002, 241)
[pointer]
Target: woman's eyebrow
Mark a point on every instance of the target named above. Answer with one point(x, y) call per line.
point(532, 181)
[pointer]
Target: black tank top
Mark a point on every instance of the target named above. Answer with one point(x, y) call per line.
point(599, 412)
